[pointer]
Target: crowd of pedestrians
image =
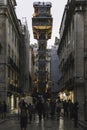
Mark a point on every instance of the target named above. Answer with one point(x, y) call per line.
point(47, 109)
point(44, 109)
point(71, 111)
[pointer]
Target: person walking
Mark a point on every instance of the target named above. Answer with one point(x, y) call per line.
point(23, 115)
point(34, 110)
point(65, 107)
point(4, 109)
point(0, 109)
point(46, 109)
point(58, 109)
point(70, 106)
point(39, 109)
point(30, 112)
point(76, 107)
point(52, 108)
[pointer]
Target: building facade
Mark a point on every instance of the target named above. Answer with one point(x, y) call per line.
point(72, 53)
point(54, 63)
point(34, 52)
point(14, 55)
point(24, 58)
point(9, 53)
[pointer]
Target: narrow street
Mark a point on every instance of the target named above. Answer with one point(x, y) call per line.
point(61, 124)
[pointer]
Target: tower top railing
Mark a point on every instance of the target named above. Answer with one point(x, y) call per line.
point(42, 3)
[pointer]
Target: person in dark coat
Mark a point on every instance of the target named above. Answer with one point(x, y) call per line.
point(58, 108)
point(0, 109)
point(70, 106)
point(4, 109)
point(23, 115)
point(65, 107)
point(30, 111)
point(39, 109)
point(76, 107)
point(52, 108)
point(46, 109)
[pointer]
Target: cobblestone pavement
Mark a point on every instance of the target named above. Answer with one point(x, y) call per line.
point(61, 124)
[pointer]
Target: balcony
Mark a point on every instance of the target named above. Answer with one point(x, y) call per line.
point(42, 52)
point(41, 42)
point(42, 21)
point(12, 64)
point(42, 72)
point(73, 82)
point(42, 3)
point(68, 63)
point(41, 84)
point(2, 2)
point(13, 89)
point(85, 53)
point(42, 64)
point(42, 78)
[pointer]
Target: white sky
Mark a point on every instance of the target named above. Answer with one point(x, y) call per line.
point(25, 9)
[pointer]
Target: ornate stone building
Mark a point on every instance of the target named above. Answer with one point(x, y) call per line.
point(24, 49)
point(72, 53)
point(14, 44)
point(54, 62)
point(9, 53)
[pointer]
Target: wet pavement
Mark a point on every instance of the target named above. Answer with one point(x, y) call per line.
point(51, 124)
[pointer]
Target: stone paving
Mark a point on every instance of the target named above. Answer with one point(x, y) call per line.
point(50, 124)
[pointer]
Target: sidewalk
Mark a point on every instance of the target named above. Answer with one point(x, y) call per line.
point(81, 121)
point(83, 124)
point(2, 120)
point(8, 116)
point(63, 123)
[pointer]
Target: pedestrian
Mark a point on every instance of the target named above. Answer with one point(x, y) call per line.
point(4, 109)
point(70, 105)
point(46, 109)
point(75, 114)
point(52, 108)
point(30, 112)
point(23, 115)
point(34, 110)
point(0, 109)
point(39, 109)
point(58, 109)
point(66, 109)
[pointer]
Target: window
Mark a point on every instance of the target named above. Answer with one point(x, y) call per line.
point(0, 48)
point(9, 50)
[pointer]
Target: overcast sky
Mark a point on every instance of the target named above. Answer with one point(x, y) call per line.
point(25, 9)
